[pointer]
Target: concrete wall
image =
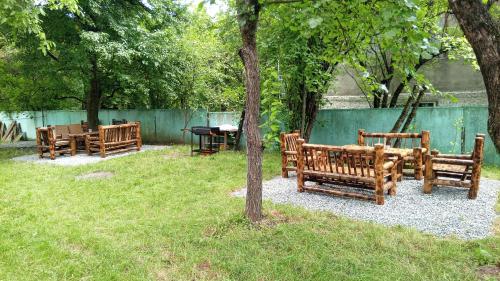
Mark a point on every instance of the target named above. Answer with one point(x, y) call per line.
point(450, 77)
point(333, 126)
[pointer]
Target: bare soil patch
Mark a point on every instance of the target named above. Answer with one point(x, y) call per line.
point(489, 272)
point(95, 175)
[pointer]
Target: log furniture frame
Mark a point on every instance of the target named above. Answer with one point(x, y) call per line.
point(114, 139)
point(288, 148)
point(364, 168)
point(462, 170)
point(47, 141)
point(415, 160)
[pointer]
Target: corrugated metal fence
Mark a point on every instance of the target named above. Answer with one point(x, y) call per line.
point(452, 128)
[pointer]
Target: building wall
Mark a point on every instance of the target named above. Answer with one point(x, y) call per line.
point(453, 78)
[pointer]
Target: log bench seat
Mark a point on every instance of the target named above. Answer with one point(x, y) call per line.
point(115, 139)
point(365, 169)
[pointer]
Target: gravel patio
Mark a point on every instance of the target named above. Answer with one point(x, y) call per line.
point(446, 212)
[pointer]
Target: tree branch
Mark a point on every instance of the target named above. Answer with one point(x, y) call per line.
point(69, 97)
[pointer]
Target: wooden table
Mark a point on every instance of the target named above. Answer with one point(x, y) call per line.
point(73, 140)
point(400, 153)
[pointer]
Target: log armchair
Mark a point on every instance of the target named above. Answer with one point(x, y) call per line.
point(366, 169)
point(115, 139)
point(417, 143)
point(288, 147)
point(463, 170)
point(48, 142)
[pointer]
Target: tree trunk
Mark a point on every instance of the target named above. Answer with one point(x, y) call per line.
point(312, 112)
point(93, 98)
point(239, 133)
point(404, 113)
point(304, 109)
point(412, 115)
point(248, 16)
point(483, 34)
point(413, 112)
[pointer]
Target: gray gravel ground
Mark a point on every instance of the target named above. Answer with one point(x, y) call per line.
point(19, 144)
point(82, 158)
point(445, 212)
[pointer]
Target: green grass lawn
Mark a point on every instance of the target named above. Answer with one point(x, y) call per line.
point(172, 218)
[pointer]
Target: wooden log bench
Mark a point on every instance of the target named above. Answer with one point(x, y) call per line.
point(115, 139)
point(366, 169)
point(418, 142)
point(463, 170)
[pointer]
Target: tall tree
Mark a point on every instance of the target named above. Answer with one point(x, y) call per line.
point(248, 18)
point(483, 33)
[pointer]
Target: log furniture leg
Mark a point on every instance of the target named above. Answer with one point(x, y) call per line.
point(300, 166)
point(102, 147)
point(394, 179)
point(39, 143)
point(417, 154)
point(476, 167)
point(284, 171)
point(379, 174)
point(429, 177)
point(72, 142)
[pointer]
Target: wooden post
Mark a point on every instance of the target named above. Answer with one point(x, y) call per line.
point(379, 174)
point(284, 172)
point(425, 142)
point(300, 166)
point(394, 179)
point(361, 138)
point(72, 142)
point(476, 167)
point(52, 143)
point(102, 147)
point(39, 143)
point(138, 135)
point(417, 154)
point(429, 177)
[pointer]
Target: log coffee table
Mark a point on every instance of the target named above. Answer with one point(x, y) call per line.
point(74, 138)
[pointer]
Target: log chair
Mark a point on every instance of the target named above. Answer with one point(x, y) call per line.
point(462, 170)
point(288, 147)
point(46, 141)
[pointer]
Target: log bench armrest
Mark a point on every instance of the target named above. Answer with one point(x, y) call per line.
point(454, 156)
point(449, 161)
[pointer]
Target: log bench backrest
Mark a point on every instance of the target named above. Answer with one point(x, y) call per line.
point(75, 128)
point(339, 160)
point(400, 140)
point(61, 131)
point(118, 133)
point(289, 141)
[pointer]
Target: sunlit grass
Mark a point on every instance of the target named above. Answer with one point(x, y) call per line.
point(172, 218)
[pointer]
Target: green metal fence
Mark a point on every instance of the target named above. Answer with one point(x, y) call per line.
point(452, 128)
